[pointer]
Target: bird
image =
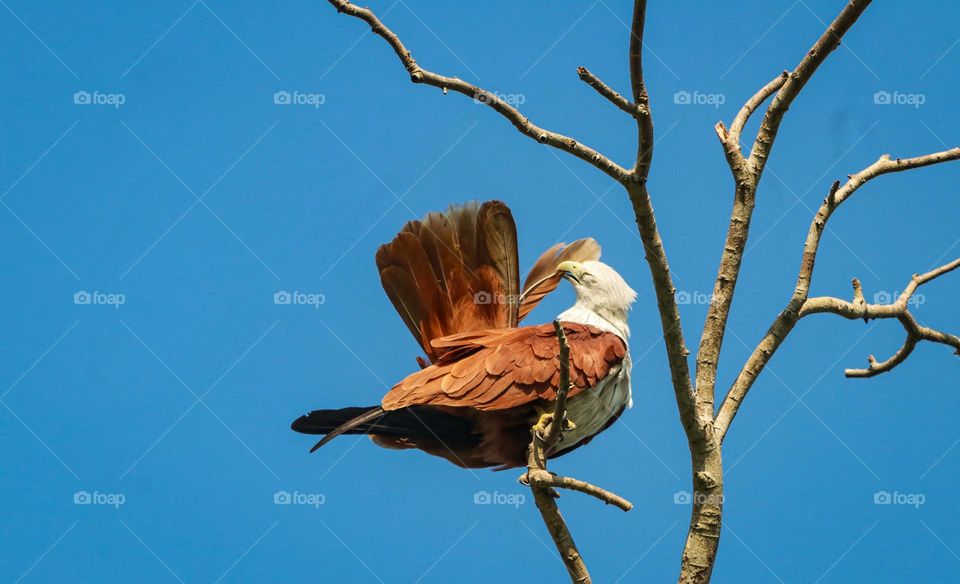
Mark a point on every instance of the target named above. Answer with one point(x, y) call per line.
point(453, 278)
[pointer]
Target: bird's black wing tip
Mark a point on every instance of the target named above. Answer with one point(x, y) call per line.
point(300, 424)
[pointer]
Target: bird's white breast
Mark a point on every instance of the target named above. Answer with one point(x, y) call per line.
point(592, 409)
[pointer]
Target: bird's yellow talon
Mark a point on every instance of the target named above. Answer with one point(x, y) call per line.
point(541, 426)
point(546, 419)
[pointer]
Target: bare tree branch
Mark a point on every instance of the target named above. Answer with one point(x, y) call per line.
point(543, 494)
point(605, 90)
point(743, 116)
point(788, 317)
point(655, 253)
point(915, 334)
point(520, 121)
point(858, 308)
point(640, 97)
point(747, 173)
point(545, 435)
point(546, 479)
point(560, 407)
point(798, 78)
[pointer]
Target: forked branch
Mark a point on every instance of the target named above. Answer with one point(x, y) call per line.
point(747, 172)
point(790, 315)
point(899, 309)
point(752, 104)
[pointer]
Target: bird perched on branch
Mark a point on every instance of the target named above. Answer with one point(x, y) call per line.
point(454, 279)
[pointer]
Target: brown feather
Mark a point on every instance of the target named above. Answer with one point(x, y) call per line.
point(402, 291)
point(497, 233)
point(543, 279)
point(525, 376)
point(453, 272)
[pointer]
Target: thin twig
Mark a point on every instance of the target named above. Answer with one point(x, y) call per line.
point(544, 479)
point(605, 90)
point(752, 104)
point(560, 406)
point(641, 98)
point(420, 75)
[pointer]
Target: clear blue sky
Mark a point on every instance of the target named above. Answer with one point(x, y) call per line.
point(102, 197)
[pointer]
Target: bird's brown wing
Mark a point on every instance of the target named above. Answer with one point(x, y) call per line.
point(454, 272)
point(500, 369)
point(543, 277)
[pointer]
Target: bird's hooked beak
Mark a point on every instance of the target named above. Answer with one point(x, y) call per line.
point(570, 271)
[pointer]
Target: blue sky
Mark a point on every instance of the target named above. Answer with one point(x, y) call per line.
point(171, 411)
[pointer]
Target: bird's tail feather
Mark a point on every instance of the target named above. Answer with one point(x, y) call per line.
point(412, 422)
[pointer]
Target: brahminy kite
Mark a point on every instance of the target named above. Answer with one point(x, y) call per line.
point(454, 279)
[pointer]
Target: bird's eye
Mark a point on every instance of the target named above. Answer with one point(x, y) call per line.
point(588, 279)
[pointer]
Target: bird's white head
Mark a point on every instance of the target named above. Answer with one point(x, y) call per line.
point(601, 293)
